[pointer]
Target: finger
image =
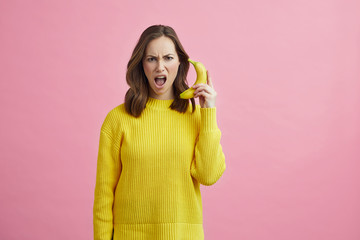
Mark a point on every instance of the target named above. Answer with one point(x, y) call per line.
point(198, 85)
point(204, 94)
point(209, 80)
point(205, 88)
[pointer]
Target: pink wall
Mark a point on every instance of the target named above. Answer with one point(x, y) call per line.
point(288, 82)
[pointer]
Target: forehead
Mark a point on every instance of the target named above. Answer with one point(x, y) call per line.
point(161, 45)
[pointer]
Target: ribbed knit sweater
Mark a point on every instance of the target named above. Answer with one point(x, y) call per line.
point(149, 171)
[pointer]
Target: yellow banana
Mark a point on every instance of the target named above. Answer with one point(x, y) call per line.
point(201, 78)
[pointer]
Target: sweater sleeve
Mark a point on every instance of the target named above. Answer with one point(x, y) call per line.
point(107, 175)
point(209, 163)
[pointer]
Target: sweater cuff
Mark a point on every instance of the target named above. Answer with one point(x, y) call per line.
point(208, 119)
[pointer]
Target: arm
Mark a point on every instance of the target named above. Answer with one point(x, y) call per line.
point(209, 163)
point(107, 175)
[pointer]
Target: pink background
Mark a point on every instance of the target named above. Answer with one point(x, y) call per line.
point(288, 83)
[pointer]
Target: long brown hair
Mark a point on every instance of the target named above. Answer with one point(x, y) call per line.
point(137, 95)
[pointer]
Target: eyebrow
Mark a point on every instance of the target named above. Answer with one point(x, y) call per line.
point(149, 55)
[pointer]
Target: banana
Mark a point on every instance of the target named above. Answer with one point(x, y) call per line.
point(201, 78)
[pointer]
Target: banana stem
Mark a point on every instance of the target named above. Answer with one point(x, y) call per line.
point(193, 62)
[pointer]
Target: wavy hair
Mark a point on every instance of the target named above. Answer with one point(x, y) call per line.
point(137, 95)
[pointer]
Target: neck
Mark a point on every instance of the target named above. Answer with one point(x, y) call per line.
point(163, 104)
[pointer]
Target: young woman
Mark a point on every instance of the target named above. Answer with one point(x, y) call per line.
point(156, 149)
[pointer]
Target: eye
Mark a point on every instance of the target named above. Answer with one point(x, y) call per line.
point(150, 59)
point(169, 58)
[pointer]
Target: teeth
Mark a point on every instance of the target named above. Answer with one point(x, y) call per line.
point(160, 77)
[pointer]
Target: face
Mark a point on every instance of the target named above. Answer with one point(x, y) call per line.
point(161, 64)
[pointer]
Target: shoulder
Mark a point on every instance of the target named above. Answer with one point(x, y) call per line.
point(114, 117)
point(197, 108)
point(196, 115)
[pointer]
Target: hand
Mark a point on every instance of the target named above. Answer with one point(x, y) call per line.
point(206, 93)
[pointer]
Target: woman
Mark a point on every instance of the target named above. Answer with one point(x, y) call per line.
point(156, 149)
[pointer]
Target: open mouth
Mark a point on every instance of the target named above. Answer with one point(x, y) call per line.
point(160, 81)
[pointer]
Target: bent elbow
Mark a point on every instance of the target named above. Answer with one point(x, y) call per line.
point(211, 179)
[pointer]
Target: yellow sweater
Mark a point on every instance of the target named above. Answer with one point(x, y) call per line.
point(149, 172)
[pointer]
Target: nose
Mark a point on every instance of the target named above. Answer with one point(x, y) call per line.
point(160, 66)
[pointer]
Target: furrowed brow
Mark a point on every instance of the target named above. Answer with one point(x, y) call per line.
point(150, 55)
